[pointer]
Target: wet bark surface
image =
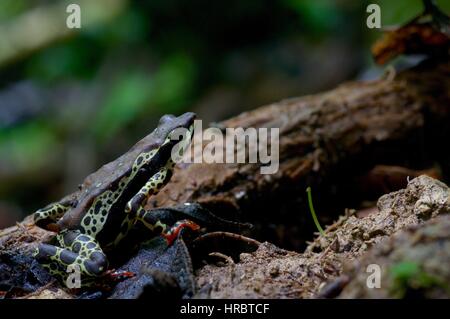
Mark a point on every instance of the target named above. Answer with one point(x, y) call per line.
point(327, 141)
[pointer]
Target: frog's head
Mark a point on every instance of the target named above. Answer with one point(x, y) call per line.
point(172, 132)
point(154, 164)
point(175, 127)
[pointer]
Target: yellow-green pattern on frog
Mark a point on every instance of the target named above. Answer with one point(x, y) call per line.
point(111, 201)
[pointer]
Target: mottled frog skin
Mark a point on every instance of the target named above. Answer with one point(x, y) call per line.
point(110, 202)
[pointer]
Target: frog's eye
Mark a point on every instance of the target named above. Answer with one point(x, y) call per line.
point(180, 133)
point(166, 119)
point(168, 139)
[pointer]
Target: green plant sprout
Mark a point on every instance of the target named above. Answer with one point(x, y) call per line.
point(313, 213)
point(408, 275)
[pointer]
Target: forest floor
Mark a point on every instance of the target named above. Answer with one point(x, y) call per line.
point(406, 227)
point(406, 237)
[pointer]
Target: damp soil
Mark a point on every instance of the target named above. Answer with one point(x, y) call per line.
point(327, 267)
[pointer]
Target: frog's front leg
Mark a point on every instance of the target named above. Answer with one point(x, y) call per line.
point(157, 226)
point(152, 187)
point(76, 249)
point(50, 214)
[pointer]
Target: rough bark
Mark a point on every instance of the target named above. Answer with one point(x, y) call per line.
point(338, 133)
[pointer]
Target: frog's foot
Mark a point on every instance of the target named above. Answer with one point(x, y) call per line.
point(118, 275)
point(108, 280)
point(80, 253)
point(158, 224)
point(195, 212)
point(175, 230)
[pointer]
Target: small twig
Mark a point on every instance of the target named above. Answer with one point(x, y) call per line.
point(221, 234)
point(228, 259)
point(331, 246)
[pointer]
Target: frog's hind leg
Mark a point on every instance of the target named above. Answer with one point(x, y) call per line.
point(77, 250)
point(159, 224)
point(46, 255)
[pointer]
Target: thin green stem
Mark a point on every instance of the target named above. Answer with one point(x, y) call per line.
point(313, 213)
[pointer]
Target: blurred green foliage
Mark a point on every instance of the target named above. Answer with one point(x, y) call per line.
point(12, 8)
point(318, 17)
point(76, 59)
point(29, 141)
point(408, 276)
point(400, 12)
point(134, 90)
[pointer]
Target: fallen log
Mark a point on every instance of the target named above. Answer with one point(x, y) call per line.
point(325, 141)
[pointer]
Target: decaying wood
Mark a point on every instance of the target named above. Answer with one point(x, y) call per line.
point(320, 132)
point(317, 133)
